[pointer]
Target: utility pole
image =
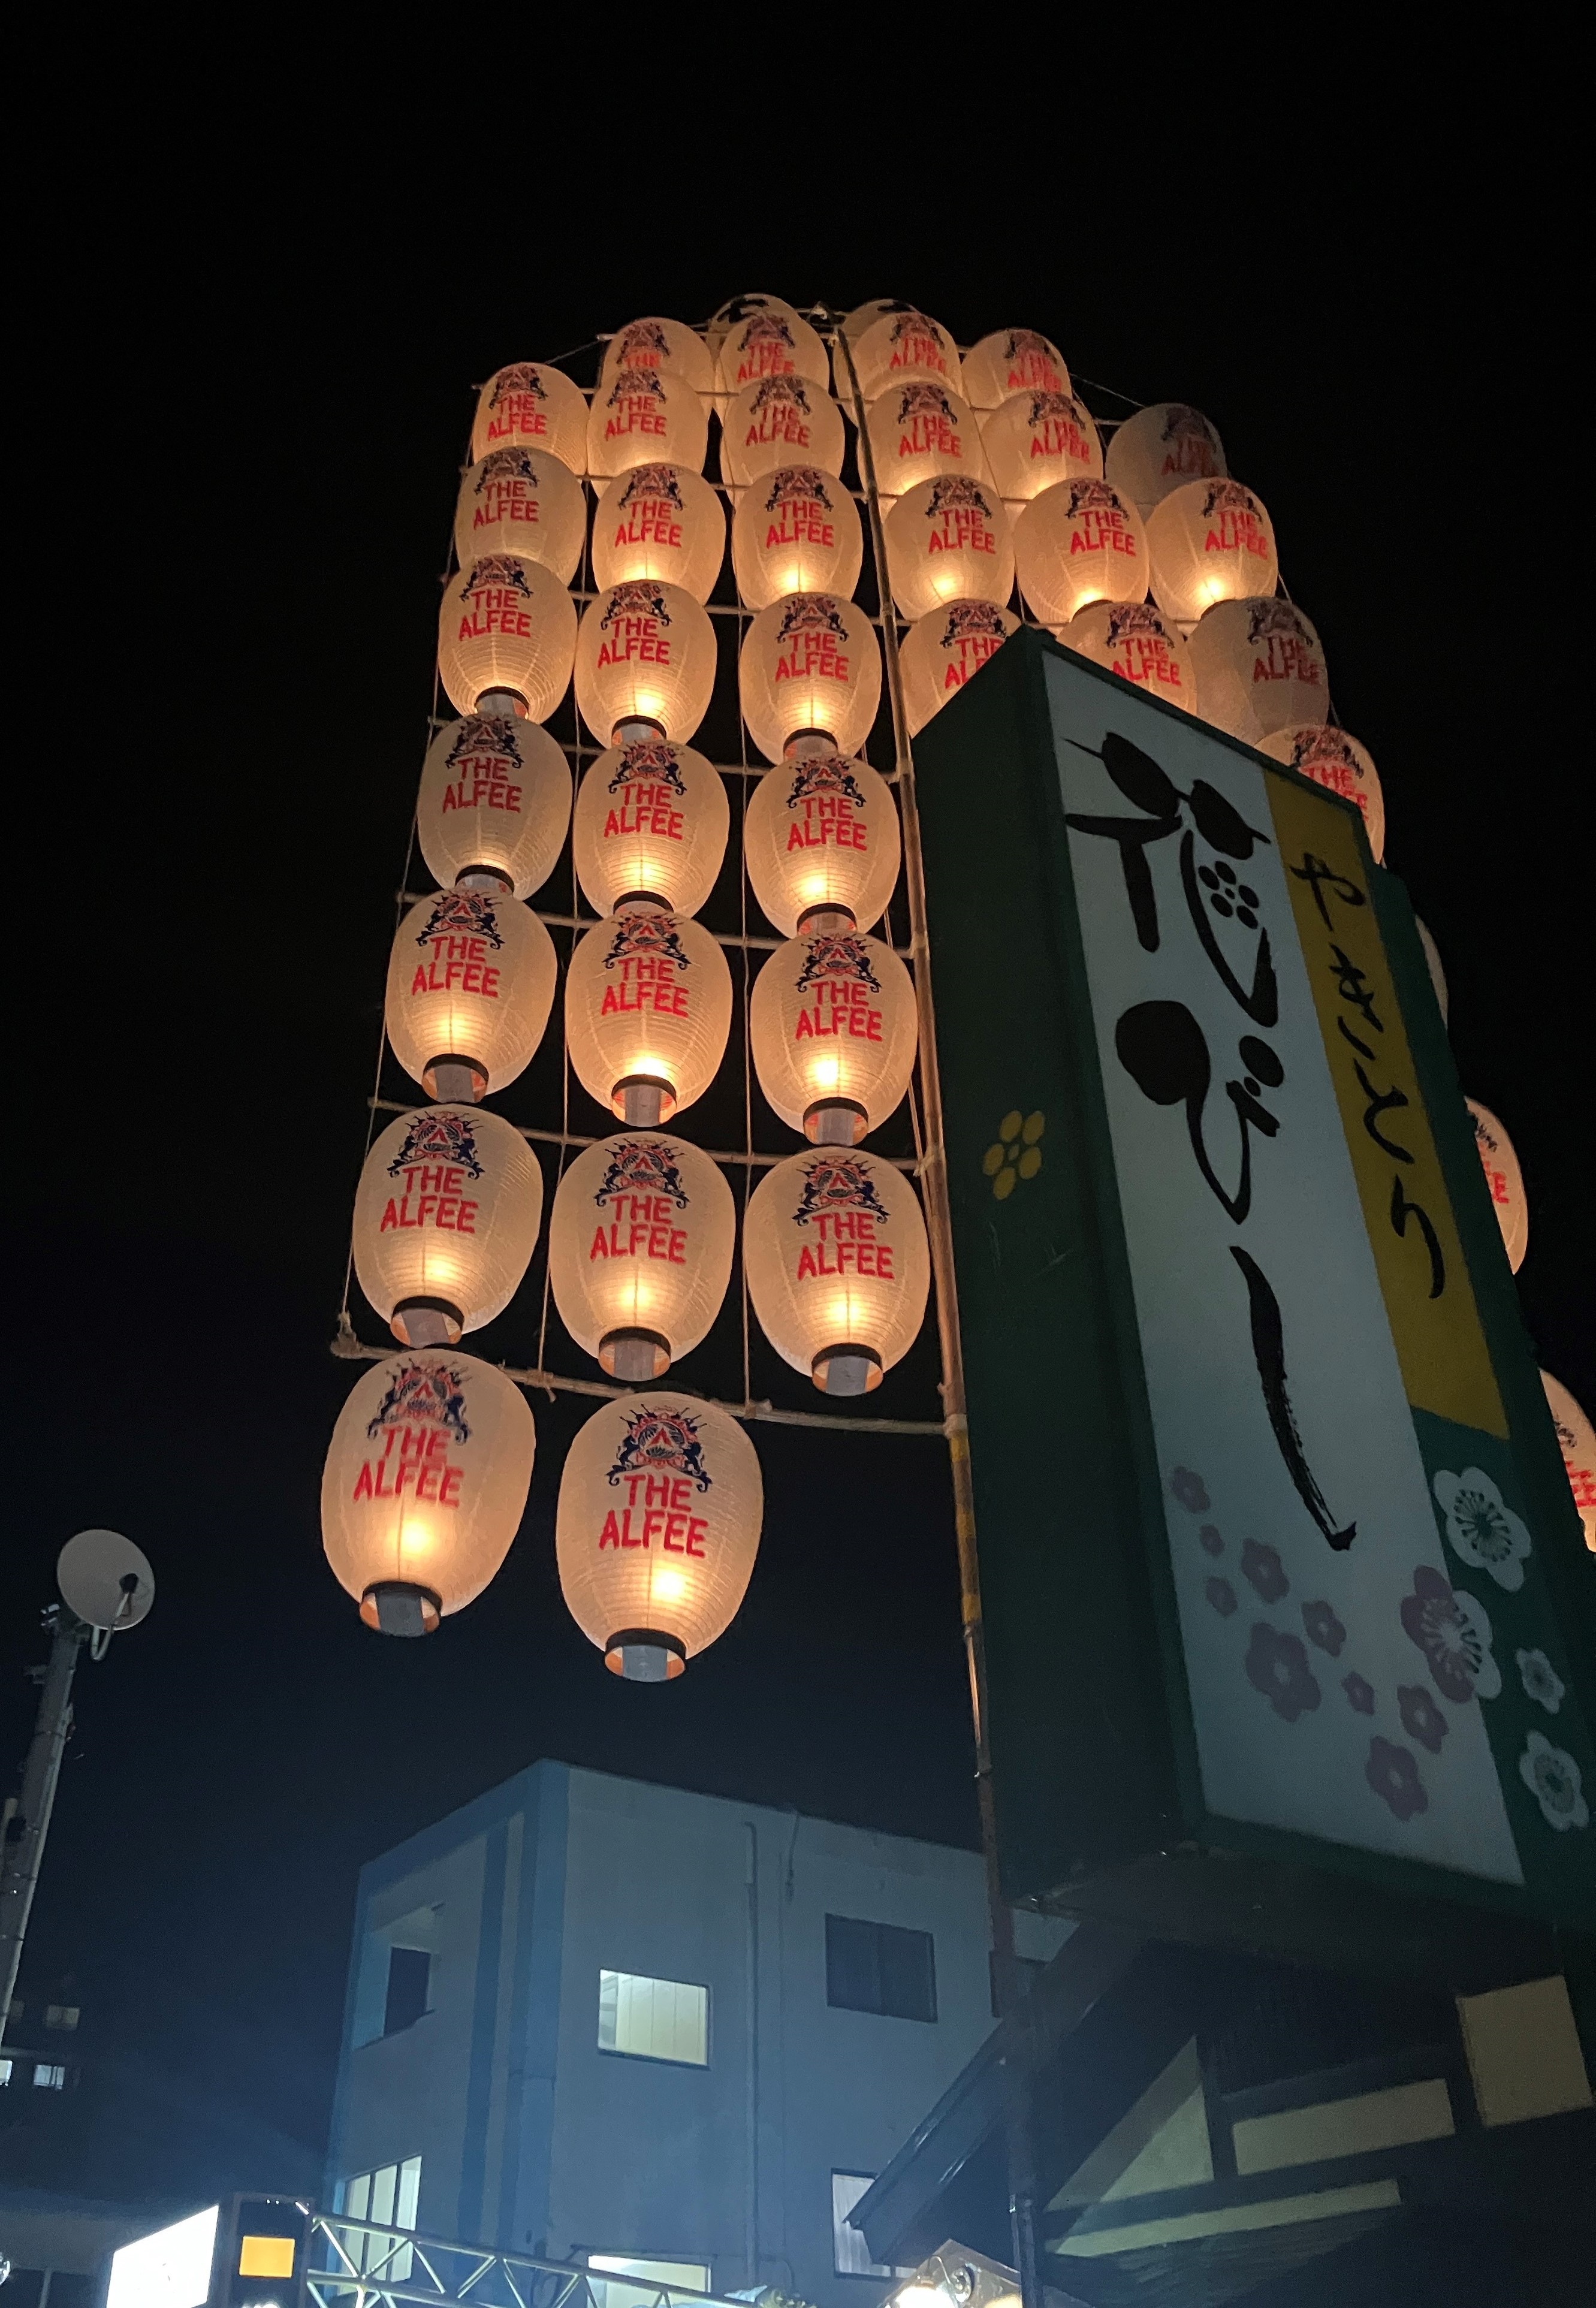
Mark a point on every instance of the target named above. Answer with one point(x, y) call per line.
point(27, 1816)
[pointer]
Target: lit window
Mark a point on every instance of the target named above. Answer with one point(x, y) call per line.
point(653, 2019)
point(639, 2283)
point(880, 1968)
point(389, 2194)
point(48, 2078)
point(851, 2255)
point(62, 2015)
point(4, 2074)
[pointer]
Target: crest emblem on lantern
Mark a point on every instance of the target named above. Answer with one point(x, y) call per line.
point(462, 913)
point(661, 1441)
point(639, 598)
point(653, 481)
point(837, 1182)
point(1315, 746)
point(489, 733)
point(956, 492)
point(1182, 423)
point(496, 569)
point(1093, 497)
point(765, 329)
point(424, 1394)
point(912, 323)
point(438, 1137)
point(793, 482)
point(1267, 617)
point(506, 465)
point(811, 613)
point(923, 400)
point(631, 381)
point(1228, 496)
point(834, 953)
point(1128, 618)
point(967, 620)
point(1055, 405)
point(1024, 341)
point(645, 933)
point(643, 1166)
point(790, 389)
point(643, 337)
point(823, 773)
point(521, 377)
point(648, 757)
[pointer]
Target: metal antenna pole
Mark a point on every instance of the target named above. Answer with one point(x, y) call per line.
point(19, 1873)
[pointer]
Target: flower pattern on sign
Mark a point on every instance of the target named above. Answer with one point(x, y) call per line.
point(1190, 1490)
point(1208, 1540)
point(1481, 1527)
point(1323, 1628)
point(1422, 1719)
point(1015, 1154)
point(1540, 1680)
point(1264, 1571)
point(1455, 1634)
point(1393, 1776)
point(1222, 1596)
point(1277, 1666)
point(1360, 1695)
point(1553, 1777)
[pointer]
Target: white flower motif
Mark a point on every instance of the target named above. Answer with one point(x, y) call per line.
point(1480, 1528)
point(1553, 1777)
point(1541, 1679)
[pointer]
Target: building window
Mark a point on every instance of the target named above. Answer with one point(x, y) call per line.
point(1029, 1969)
point(4, 2074)
point(639, 2283)
point(49, 2078)
point(880, 1968)
point(851, 2255)
point(653, 2019)
point(410, 1983)
point(62, 2015)
point(391, 2193)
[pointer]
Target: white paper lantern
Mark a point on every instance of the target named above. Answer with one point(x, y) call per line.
point(917, 431)
point(856, 322)
point(424, 1486)
point(1505, 1180)
point(662, 522)
point(1333, 759)
point(740, 308)
point(902, 344)
point(651, 821)
point(531, 406)
point(1013, 361)
point(833, 1029)
point(1079, 541)
point(820, 837)
point(644, 652)
point(470, 985)
point(495, 798)
point(796, 532)
point(1037, 439)
point(640, 1244)
point(1432, 962)
point(838, 1266)
point(782, 421)
point(521, 501)
point(949, 540)
point(1160, 448)
point(648, 1008)
point(940, 651)
point(1259, 667)
point(1137, 642)
point(770, 343)
point(657, 1530)
point(446, 1217)
point(1577, 1442)
point(1209, 541)
point(669, 347)
point(506, 624)
point(809, 663)
point(645, 417)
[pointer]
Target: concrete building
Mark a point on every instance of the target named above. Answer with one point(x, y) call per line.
point(593, 2018)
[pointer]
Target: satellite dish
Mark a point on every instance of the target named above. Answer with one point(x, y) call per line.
point(106, 1580)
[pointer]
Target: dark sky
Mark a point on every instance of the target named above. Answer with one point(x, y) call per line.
point(247, 419)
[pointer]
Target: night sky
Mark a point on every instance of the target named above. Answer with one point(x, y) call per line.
point(272, 419)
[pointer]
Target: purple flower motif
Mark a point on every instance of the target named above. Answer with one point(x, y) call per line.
point(1422, 1719)
point(1210, 1541)
point(1452, 1632)
point(1360, 1695)
point(1393, 1776)
point(1190, 1490)
point(1277, 1666)
point(1222, 1596)
point(1324, 1628)
point(1262, 1568)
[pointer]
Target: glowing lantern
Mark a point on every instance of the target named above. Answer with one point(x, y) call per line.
point(645, 417)
point(648, 1008)
point(770, 343)
point(820, 838)
point(1259, 667)
point(833, 1024)
point(650, 821)
point(507, 628)
point(740, 308)
point(1078, 542)
point(644, 652)
point(810, 663)
point(424, 1486)
point(1209, 541)
point(447, 1216)
point(1505, 1180)
point(660, 522)
point(658, 1526)
point(903, 343)
point(521, 501)
point(948, 539)
point(1577, 1442)
point(669, 347)
point(1013, 361)
point(919, 430)
point(772, 423)
point(495, 802)
point(531, 406)
point(1133, 640)
point(1330, 758)
point(941, 650)
point(856, 322)
point(797, 532)
point(470, 985)
point(640, 1252)
point(1036, 439)
point(838, 1267)
point(1159, 448)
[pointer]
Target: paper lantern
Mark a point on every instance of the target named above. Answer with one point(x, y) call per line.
point(1209, 541)
point(1505, 1180)
point(506, 624)
point(919, 430)
point(1013, 361)
point(776, 422)
point(661, 522)
point(940, 651)
point(838, 1267)
point(1077, 542)
point(948, 539)
point(470, 985)
point(1432, 962)
point(1160, 448)
point(640, 1245)
point(1259, 667)
point(424, 1485)
point(903, 343)
point(495, 799)
point(668, 348)
point(1037, 439)
point(1134, 639)
point(1577, 1442)
point(531, 405)
point(833, 1024)
point(770, 343)
point(739, 309)
point(820, 838)
point(648, 1008)
point(1330, 758)
point(658, 1526)
point(809, 663)
point(856, 322)
point(645, 417)
point(797, 531)
point(521, 501)
point(644, 652)
point(650, 821)
point(447, 1216)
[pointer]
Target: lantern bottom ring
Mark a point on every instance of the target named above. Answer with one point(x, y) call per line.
point(635, 1357)
point(641, 901)
point(645, 1654)
point(635, 731)
point(851, 1369)
point(427, 1322)
point(501, 703)
point(808, 741)
point(395, 1607)
point(485, 877)
point(452, 1078)
point(827, 916)
point(836, 1122)
point(642, 1101)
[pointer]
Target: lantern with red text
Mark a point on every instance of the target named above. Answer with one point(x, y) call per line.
point(919, 430)
point(1160, 448)
point(857, 321)
point(644, 652)
point(835, 1253)
point(531, 405)
point(648, 1008)
point(660, 522)
point(948, 539)
point(640, 1244)
point(941, 650)
point(796, 532)
point(424, 1485)
point(900, 345)
point(1259, 667)
point(495, 801)
point(507, 626)
point(657, 1529)
point(820, 838)
point(738, 309)
point(645, 417)
point(669, 347)
point(1577, 1442)
point(1140, 644)
point(774, 423)
point(1504, 1181)
point(1011, 361)
point(1039, 438)
point(1209, 541)
point(1330, 758)
point(521, 501)
point(810, 665)
point(1079, 541)
point(770, 343)
point(650, 821)
point(446, 1217)
point(833, 1025)
point(470, 985)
